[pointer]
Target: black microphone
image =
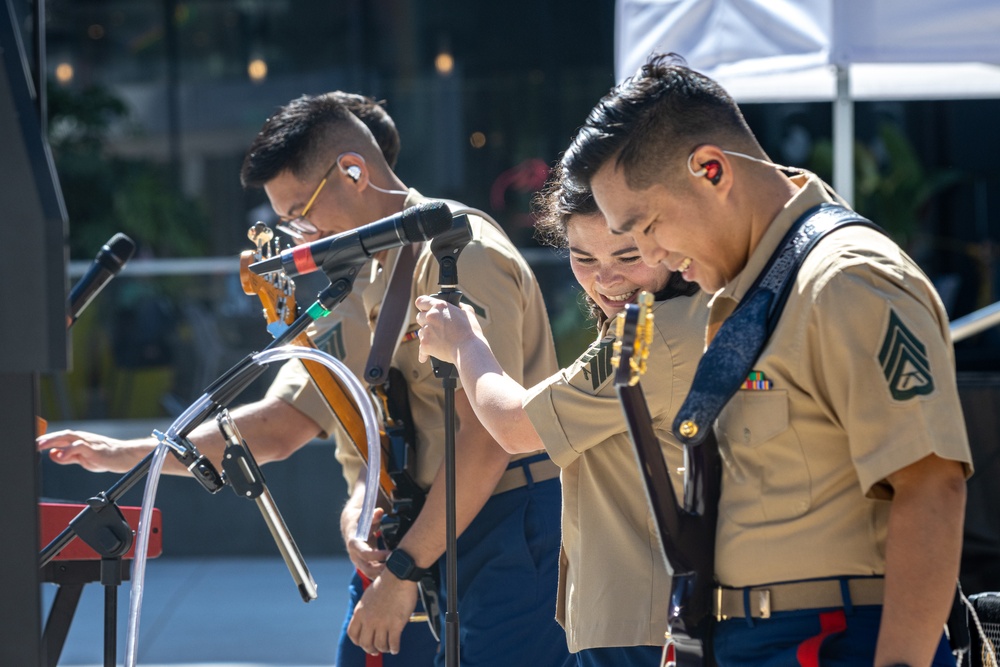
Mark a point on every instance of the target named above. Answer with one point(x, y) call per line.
point(413, 225)
point(110, 260)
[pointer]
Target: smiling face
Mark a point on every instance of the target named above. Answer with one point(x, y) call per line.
point(608, 266)
point(680, 226)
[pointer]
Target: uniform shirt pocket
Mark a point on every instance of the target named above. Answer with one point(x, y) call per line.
point(769, 479)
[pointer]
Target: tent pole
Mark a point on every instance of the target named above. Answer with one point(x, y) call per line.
point(843, 136)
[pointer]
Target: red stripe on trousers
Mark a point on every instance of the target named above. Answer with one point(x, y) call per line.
point(370, 660)
point(831, 623)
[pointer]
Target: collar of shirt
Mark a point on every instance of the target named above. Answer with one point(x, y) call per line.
point(812, 191)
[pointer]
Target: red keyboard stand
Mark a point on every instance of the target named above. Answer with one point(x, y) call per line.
point(77, 564)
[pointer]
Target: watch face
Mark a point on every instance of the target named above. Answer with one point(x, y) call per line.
point(401, 564)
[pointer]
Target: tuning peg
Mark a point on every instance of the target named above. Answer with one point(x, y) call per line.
point(260, 234)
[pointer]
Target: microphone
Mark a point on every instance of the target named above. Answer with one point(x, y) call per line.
point(110, 260)
point(413, 225)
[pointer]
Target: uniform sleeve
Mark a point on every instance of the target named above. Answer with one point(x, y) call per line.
point(578, 407)
point(886, 370)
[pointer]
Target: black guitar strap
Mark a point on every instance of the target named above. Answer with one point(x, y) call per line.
point(742, 336)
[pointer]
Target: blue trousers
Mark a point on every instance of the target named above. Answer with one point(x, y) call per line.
point(416, 645)
point(620, 656)
point(775, 642)
point(508, 560)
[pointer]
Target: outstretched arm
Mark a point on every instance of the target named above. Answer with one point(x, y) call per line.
point(272, 428)
point(452, 334)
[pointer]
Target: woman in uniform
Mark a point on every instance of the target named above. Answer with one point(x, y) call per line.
point(613, 584)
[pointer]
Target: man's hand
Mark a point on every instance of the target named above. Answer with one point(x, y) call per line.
point(382, 613)
point(94, 452)
point(369, 560)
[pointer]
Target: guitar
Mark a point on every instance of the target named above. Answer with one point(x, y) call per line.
point(276, 292)
point(402, 494)
point(686, 529)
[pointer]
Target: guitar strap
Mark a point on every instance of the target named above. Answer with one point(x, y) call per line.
point(741, 338)
point(392, 317)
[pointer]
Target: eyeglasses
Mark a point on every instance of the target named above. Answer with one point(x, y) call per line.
point(298, 227)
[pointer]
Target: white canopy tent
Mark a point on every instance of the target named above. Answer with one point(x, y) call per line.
point(814, 50)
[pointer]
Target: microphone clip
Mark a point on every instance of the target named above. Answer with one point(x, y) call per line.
point(446, 248)
point(196, 462)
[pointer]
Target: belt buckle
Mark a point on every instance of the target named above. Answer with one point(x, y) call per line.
point(719, 616)
point(764, 602)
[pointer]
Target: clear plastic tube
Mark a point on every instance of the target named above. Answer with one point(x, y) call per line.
point(145, 520)
point(360, 396)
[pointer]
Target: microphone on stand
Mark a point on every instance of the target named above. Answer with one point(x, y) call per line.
point(413, 225)
point(110, 260)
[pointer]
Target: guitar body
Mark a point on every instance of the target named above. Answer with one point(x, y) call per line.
point(686, 528)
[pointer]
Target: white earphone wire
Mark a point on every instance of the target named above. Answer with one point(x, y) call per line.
point(701, 172)
point(344, 170)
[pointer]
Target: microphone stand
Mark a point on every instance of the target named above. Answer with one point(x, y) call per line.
point(101, 524)
point(446, 248)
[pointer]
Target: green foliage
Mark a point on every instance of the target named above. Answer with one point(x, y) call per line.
point(891, 186)
point(105, 193)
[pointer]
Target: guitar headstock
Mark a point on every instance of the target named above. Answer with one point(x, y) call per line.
point(275, 290)
point(633, 334)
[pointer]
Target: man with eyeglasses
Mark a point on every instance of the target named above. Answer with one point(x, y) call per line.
point(318, 163)
point(324, 174)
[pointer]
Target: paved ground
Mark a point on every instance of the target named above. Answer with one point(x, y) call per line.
point(219, 612)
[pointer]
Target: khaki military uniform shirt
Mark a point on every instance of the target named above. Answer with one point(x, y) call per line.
point(500, 286)
point(612, 573)
point(861, 380)
point(345, 335)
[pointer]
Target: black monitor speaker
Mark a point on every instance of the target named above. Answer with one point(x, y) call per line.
point(33, 253)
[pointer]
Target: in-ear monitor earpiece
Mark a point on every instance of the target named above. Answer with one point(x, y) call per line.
point(711, 170)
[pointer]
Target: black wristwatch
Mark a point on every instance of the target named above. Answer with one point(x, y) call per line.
point(402, 565)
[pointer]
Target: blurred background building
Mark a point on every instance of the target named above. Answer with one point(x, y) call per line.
point(152, 103)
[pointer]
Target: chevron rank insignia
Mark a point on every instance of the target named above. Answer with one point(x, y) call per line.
point(595, 364)
point(332, 341)
point(904, 362)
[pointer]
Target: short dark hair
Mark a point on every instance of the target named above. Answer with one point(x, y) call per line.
point(372, 113)
point(295, 137)
point(651, 119)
